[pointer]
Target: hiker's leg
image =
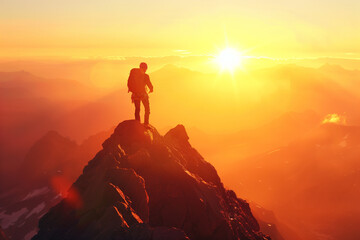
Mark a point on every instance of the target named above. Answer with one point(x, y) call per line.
point(137, 110)
point(146, 103)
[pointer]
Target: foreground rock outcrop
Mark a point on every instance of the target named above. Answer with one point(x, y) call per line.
point(142, 185)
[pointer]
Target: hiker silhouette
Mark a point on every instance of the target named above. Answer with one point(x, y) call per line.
point(137, 82)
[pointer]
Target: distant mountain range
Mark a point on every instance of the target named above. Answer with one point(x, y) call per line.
point(265, 135)
point(43, 179)
point(311, 183)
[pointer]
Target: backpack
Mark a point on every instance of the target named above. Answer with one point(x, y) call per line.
point(132, 80)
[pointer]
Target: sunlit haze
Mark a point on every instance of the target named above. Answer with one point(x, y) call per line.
point(90, 28)
point(262, 98)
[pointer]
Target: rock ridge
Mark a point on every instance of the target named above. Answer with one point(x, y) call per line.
point(142, 185)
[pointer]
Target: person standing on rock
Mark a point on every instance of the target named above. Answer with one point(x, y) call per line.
point(137, 82)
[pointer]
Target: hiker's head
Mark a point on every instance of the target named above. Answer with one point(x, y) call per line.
point(143, 66)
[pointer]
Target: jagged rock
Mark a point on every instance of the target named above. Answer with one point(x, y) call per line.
point(145, 186)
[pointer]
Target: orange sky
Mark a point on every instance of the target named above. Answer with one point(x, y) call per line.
point(89, 28)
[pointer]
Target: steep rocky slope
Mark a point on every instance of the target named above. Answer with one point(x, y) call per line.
point(142, 185)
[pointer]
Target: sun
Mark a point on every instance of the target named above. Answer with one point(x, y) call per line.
point(229, 59)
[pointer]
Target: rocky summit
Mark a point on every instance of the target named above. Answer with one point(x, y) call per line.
point(142, 185)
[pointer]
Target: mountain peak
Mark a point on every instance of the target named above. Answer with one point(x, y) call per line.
point(142, 185)
point(178, 133)
point(174, 69)
point(334, 68)
point(16, 75)
point(132, 135)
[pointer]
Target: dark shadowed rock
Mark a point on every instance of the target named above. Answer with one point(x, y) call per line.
point(145, 186)
point(2, 235)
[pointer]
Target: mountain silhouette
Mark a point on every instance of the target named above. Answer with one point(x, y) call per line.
point(48, 170)
point(142, 185)
point(32, 106)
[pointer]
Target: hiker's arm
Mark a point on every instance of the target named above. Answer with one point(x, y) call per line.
point(148, 83)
